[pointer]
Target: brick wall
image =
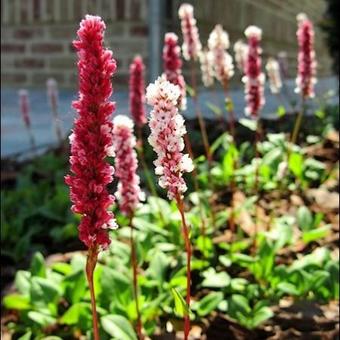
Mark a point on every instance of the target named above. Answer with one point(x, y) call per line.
point(36, 34)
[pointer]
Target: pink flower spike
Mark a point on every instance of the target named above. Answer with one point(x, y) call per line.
point(172, 65)
point(218, 43)
point(306, 78)
point(166, 138)
point(137, 90)
point(191, 42)
point(254, 78)
point(91, 140)
point(240, 50)
point(128, 193)
point(274, 77)
point(207, 67)
point(24, 104)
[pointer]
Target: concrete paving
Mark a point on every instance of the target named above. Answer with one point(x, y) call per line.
point(15, 138)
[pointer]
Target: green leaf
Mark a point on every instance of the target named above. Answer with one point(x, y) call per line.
point(320, 114)
point(205, 245)
point(158, 266)
point(22, 281)
point(16, 301)
point(238, 304)
point(118, 327)
point(262, 315)
point(304, 218)
point(38, 267)
point(215, 280)
point(181, 307)
point(63, 268)
point(44, 290)
point(41, 318)
point(225, 260)
point(287, 288)
point(209, 303)
point(296, 164)
point(26, 336)
point(190, 91)
point(249, 123)
point(315, 234)
point(75, 286)
point(214, 108)
point(281, 111)
point(71, 316)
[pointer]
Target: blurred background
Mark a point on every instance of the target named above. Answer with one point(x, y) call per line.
point(36, 44)
point(37, 34)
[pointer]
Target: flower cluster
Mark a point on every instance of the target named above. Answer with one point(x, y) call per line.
point(24, 105)
point(274, 77)
point(191, 42)
point(254, 78)
point(207, 67)
point(306, 78)
point(137, 88)
point(167, 130)
point(128, 193)
point(91, 140)
point(218, 43)
point(240, 50)
point(172, 65)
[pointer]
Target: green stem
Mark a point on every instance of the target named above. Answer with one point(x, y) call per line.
point(90, 266)
point(298, 122)
point(134, 264)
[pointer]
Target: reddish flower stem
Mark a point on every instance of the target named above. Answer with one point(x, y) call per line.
point(185, 230)
point(91, 262)
point(134, 264)
point(298, 122)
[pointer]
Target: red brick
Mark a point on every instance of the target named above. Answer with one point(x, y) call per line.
point(36, 9)
point(13, 78)
point(120, 9)
point(135, 9)
point(23, 11)
point(139, 30)
point(40, 78)
point(47, 48)
point(26, 33)
point(13, 48)
point(29, 63)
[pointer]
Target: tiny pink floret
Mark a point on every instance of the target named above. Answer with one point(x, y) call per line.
point(166, 138)
point(91, 140)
